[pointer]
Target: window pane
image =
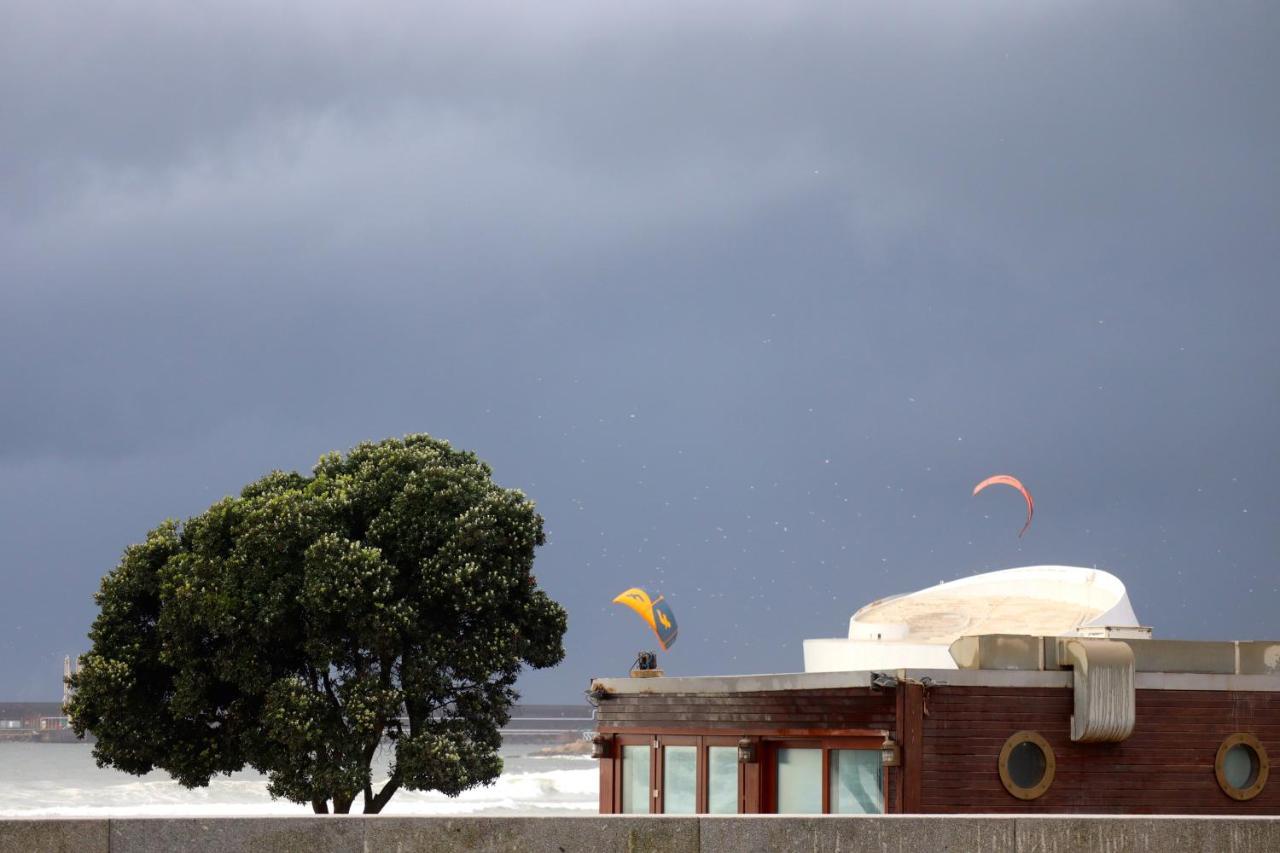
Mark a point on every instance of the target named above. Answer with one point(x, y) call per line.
point(1027, 764)
point(799, 781)
point(635, 779)
point(855, 782)
point(1240, 766)
point(722, 779)
point(679, 779)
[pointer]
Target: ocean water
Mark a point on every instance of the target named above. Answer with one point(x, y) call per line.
point(61, 779)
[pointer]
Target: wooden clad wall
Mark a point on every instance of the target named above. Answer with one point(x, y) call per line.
point(842, 708)
point(1166, 766)
point(791, 713)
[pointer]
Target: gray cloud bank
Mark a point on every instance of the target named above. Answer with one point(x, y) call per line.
point(747, 296)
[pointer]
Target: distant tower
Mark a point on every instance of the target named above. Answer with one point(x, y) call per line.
point(66, 688)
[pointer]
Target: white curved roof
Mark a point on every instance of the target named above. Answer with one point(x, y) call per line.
point(918, 628)
point(1039, 600)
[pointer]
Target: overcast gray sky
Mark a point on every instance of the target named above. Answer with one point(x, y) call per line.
point(747, 296)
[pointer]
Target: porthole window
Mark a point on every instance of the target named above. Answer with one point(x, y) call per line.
point(1026, 765)
point(1241, 766)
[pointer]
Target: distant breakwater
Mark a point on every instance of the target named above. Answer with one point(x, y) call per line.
point(37, 736)
point(28, 722)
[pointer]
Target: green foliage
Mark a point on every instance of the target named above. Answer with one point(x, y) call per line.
point(297, 626)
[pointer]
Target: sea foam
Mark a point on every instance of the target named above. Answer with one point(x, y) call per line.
point(61, 781)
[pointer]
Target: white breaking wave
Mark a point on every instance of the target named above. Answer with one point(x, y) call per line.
point(569, 791)
point(538, 793)
point(60, 789)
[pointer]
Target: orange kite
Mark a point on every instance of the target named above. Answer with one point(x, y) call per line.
point(1007, 480)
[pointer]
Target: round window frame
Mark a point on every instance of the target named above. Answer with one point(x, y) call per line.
point(1050, 765)
point(1264, 766)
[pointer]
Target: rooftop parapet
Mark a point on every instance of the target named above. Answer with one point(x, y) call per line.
point(1025, 652)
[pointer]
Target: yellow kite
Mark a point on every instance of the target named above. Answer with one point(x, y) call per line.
point(654, 611)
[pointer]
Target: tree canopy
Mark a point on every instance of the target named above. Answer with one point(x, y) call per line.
point(295, 628)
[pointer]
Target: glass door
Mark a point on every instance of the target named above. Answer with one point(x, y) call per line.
point(635, 773)
point(799, 780)
point(678, 775)
point(855, 781)
point(825, 776)
point(724, 791)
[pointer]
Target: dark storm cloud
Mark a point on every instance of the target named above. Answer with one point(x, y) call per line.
point(747, 297)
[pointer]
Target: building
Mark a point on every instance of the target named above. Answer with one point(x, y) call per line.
point(22, 721)
point(1027, 690)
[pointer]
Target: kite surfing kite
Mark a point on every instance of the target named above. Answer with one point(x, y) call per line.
point(1007, 480)
point(654, 611)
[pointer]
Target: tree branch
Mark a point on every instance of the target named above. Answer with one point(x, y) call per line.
point(311, 676)
point(453, 694)
point(384, 796)
point(333, 700)
point(371, 749)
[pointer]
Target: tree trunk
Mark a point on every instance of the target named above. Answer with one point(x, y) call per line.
point(320, 806)
point(342, 803)
point(375, 805)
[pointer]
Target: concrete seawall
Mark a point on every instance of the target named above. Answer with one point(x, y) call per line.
point(877, 834)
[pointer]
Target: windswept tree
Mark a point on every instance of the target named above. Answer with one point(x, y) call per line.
point(389, 597)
